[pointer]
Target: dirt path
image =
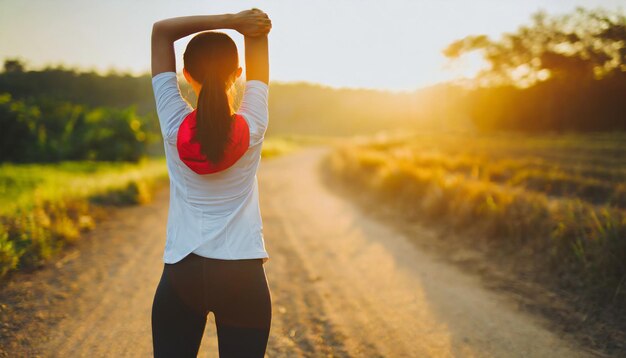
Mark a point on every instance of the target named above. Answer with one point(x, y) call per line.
point(341, 286)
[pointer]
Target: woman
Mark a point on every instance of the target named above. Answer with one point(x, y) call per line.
point(214, 252)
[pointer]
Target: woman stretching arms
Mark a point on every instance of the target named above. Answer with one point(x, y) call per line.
point(214, 250)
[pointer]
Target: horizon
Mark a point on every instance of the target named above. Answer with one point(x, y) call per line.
point(118, 72)
point(297, 54)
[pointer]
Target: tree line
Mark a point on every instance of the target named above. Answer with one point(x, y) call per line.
point(59, 114)
point(559, 73)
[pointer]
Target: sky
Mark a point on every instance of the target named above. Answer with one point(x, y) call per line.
point(390, 44)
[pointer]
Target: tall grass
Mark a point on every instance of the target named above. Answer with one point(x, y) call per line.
point(275, 145)
point(44, 207)
point(558, 201)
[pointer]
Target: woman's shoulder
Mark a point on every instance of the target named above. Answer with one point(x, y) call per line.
point(256, 83)
point(254, 108)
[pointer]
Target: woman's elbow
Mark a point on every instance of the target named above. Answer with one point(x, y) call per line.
point(159, 30)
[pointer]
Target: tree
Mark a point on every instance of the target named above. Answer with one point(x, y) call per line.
point(582, 45)
point(13, 65)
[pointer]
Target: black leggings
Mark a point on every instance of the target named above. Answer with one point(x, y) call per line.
point(237, 293)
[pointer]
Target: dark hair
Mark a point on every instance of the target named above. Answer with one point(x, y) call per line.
point(210, 57)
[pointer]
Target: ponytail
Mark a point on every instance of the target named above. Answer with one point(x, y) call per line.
point(214, 118)
point(210, 58)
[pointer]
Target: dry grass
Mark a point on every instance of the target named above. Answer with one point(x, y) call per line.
point(558, 200)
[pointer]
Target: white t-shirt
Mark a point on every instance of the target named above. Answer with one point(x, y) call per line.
point(213, 215)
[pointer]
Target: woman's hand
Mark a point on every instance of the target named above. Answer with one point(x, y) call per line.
point(252, 23)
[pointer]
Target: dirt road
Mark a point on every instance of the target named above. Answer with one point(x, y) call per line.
point(342, 285)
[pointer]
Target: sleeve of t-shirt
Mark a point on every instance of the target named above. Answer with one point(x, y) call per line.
point(254, 108)
point(170, 105)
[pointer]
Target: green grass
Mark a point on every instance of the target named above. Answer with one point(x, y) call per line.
point(44, 207)
point(274, 146)
point(277, 146)
point(23, 186)
point(557, 200)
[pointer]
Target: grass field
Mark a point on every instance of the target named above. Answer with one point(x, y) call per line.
point(274, 146)
point(44, 207)
point(557, 201)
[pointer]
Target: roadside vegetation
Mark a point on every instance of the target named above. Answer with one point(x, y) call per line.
point(274, 146)
point(555, 203)
point(277, 146)
point(45, 207)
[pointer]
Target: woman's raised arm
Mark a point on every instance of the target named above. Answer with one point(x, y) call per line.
point(250, 23)
point(257, 58)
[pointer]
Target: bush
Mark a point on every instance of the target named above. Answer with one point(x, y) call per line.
point(52, 131)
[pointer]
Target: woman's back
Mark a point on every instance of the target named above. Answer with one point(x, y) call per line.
point(214, 215)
